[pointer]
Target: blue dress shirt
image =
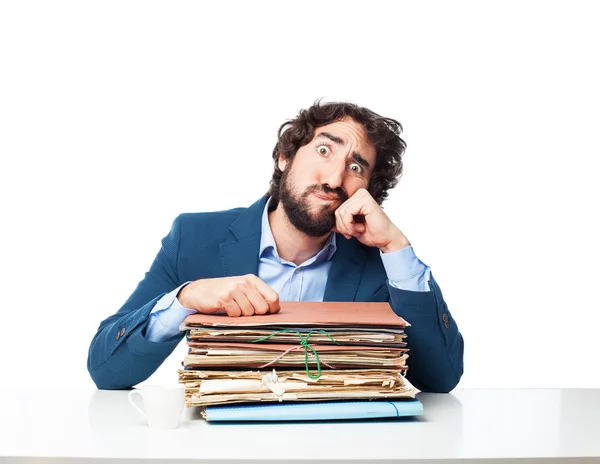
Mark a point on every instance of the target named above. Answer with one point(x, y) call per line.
point(305, 282)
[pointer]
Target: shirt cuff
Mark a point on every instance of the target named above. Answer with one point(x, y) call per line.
point(405, 271)
point(166, 317)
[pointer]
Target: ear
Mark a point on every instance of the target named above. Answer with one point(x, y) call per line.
point(282, 162)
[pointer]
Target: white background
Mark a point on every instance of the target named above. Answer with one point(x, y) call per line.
point(116, 116)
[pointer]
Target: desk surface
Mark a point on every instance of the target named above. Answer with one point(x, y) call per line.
point(43, 425)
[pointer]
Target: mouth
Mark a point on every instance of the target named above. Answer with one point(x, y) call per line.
point(325, 197)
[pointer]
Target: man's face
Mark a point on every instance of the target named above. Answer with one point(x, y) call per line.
point(325, 173)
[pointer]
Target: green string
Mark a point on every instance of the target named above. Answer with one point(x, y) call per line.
point(305, 344)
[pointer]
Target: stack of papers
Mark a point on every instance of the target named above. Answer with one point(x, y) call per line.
point(308, 352)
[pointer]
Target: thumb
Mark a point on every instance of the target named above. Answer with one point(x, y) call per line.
point(359, 227)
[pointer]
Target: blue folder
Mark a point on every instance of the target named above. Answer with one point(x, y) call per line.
point(322, 410)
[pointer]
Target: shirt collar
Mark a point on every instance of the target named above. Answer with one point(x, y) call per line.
point(267, 241)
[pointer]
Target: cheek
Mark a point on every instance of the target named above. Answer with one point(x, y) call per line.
point(300, 180)
point(305, 175)
point(353, 184)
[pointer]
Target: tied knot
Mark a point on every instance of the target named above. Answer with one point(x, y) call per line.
point(307, 347)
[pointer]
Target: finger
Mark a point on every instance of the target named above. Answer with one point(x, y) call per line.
point(359, 228)
point(342, 223)
point(352, 216)
point(257, 301)
point(230, 306)
point(348, 219)
point(339, 223)
point(252, 302)
point(243, 302)
point(269, 295)
point(274, 308)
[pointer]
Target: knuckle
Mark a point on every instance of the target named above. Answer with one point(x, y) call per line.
point(244, 286)
point(231, 286)
point(261, 308)
point(248, 278)
point(225, 299)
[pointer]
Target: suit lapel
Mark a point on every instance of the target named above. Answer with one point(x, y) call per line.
point(346, 271)
point(239, 254)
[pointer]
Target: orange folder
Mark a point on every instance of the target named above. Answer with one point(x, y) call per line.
point(314, 314)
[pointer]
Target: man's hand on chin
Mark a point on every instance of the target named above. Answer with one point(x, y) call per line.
point(360, 216)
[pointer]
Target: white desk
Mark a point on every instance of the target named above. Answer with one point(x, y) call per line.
point(52, 425)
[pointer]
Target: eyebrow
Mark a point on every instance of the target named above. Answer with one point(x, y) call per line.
point(359, 159)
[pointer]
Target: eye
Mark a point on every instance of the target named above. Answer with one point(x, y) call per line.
point(356, 168)
point(323, 150)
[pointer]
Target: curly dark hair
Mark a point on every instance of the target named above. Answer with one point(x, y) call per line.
point(382, 133)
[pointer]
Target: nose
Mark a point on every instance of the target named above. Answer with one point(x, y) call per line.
point(332, 175)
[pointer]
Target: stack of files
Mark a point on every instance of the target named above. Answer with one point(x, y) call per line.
point(308, 352)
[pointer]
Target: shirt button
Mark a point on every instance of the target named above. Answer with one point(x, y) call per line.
point(445, 317)
point(297, 271)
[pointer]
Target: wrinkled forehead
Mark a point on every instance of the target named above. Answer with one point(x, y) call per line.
point(347, 129)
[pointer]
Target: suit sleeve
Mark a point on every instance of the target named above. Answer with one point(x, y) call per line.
point(435, 362)
point(120, 355)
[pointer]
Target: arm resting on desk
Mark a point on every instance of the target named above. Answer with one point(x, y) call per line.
point(120, 355)
point(435, 362)
point(132, 358)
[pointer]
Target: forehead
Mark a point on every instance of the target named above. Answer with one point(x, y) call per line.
point(351, 132)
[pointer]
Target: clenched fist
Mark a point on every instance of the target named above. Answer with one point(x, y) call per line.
point(360, 216)
point(238, 296)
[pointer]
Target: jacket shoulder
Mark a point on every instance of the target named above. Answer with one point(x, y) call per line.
point(213, 223)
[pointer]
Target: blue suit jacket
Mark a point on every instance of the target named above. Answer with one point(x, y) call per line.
point(226, 243)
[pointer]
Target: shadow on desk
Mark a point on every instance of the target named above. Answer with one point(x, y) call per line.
point(445, 406)
point(110, 414)
point(442, 418)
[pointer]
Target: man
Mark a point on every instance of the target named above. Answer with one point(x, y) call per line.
point(318, 235)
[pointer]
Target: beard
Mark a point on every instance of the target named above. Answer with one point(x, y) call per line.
point(298, 207)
